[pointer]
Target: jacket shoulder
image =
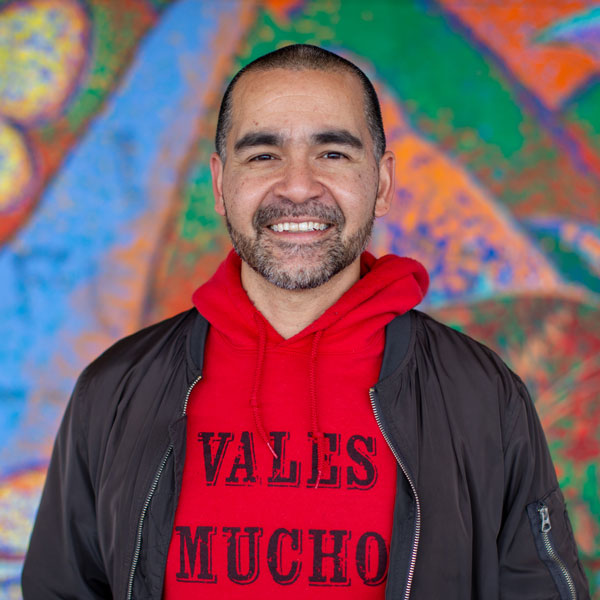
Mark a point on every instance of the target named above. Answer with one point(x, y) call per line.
point(456, 348)
point(468, 369)
point(144, 345)
point(150, 353)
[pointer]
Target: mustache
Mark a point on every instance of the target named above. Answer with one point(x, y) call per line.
point(311, 209)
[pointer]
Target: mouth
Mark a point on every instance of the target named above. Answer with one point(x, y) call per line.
point(299, 226)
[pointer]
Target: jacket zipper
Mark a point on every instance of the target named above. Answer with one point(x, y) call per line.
point(413, 556)
point(153, 486)
point(545, 527)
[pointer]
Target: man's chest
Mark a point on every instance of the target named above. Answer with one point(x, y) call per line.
point(250, 520)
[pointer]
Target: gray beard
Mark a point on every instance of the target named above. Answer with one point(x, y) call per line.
point(335, 253)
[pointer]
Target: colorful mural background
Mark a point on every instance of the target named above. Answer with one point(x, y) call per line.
point(107, 112)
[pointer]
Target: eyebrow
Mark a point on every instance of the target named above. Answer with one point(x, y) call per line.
point(258, 138)
point(337, 136)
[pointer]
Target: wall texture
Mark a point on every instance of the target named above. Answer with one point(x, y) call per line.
point(107, 112)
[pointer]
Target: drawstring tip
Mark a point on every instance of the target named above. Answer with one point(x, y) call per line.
point(318, 479)
point(272, 451)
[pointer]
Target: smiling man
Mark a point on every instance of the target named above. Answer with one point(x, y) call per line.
point(300, 178)
point(302, 431)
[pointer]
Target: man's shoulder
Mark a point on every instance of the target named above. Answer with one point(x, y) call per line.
point(162, 341)
point(451, 342)
point(473, 380)
point(465, 362)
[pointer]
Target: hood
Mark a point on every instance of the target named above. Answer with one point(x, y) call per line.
point(388, 287)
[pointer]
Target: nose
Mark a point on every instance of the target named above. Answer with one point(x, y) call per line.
point(298, 181)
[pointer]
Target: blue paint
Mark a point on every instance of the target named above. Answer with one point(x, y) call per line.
point(585, 25)
point(85, 213)
point(570, 257)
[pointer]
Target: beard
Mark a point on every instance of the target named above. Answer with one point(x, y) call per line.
point(313, 263)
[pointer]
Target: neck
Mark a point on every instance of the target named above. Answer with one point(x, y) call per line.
point(291, 311)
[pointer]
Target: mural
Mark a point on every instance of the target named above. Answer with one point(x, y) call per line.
point(107, 113)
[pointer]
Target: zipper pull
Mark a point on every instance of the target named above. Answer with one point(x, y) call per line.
point(545, 515)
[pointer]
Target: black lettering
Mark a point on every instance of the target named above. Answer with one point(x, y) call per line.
point(334, 479)
point(275, 555)
point(244, 461)
point(200, 547)
point(365, 559)
point(361, 458)
point(338, 555)
point(278, 477)
point(213, 465)
point(235, 560)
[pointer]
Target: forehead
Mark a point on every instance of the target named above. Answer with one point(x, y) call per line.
point(297, 100)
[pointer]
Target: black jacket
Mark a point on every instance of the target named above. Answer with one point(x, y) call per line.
point(478, 511)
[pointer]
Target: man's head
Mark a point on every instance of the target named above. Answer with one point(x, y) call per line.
point(302, 57)
point(301, 170)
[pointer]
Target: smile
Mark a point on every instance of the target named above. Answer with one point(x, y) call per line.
point(302, 226)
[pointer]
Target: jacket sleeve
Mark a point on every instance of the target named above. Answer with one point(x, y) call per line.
point(63, 559)
point(536, 549)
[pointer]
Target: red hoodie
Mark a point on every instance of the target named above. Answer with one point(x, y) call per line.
point(288, 486)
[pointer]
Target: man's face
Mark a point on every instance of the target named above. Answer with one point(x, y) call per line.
point(300, 185)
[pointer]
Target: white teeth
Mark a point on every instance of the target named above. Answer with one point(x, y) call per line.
point(303, 226)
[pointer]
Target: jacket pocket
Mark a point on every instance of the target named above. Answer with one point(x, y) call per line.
point(551, 532)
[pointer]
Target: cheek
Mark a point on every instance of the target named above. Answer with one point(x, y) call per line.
point(241, 202)
point(244, 189)
point(357, 198)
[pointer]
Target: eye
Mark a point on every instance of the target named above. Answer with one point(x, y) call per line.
point(334, 155)
point(261, 157)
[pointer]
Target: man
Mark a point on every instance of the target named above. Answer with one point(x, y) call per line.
point(302, 431)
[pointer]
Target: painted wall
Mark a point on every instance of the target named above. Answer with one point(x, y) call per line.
point(107, 113)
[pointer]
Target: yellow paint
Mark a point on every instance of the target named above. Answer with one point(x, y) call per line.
point(16, 169)
point(42, 50)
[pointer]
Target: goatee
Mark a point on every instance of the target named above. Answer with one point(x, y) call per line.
point(316, 262)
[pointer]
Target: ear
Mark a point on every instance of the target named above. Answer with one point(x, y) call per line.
point(387, 184)
point(216, 170)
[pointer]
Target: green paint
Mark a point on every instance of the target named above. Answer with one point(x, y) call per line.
point(456, 326)
point(199, 224)
point(572, 266)
point(199, 216)
point(424, 61)
point(585, 113)
point(258, 43)
point(160, 5)
point(115, 34)
point(567, 480)
point(589, 490)
point(449, 91)
point(589, 494)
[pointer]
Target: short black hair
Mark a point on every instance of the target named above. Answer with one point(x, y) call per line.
point(298, 57)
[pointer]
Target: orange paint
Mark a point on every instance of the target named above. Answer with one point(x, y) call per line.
point(552, 71)
point(438, 195)
point(281, 9)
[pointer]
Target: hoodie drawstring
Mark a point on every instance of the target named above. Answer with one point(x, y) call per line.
point(262, 343)
point(317, 435)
